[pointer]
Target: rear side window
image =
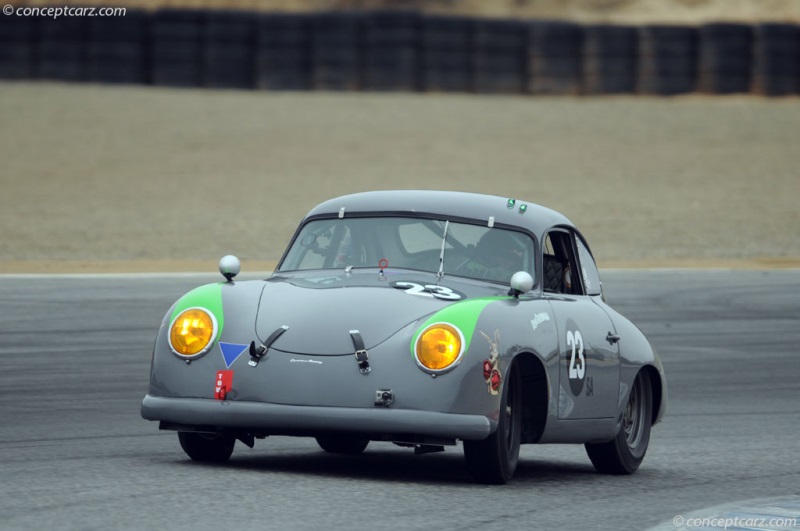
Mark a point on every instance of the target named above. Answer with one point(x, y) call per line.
point(591, 276)
point(559, 267)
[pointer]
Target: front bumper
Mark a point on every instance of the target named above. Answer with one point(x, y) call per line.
point(277, 419)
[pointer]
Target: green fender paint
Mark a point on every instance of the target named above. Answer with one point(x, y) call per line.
point(463, 315)
point(208, 297)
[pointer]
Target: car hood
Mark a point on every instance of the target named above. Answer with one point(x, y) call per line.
point(320, 310)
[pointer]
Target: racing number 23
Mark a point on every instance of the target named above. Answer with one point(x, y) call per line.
point(428, 290)
point(577, 361)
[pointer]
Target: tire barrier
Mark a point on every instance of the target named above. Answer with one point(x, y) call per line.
point(229, 43)
point(391, 51)
point(283, 52)
point(17, 48)
point(667, 60)
point(62, 49)
point(446, 63)
point(499, 56)
point(610, 57)
point(117, 49)
point(726, 58)
point(555, 52)
point(400, 50)
point(776, 68)
point(336, 45)
point(177, 47)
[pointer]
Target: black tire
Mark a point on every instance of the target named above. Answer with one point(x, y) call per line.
point(610, 59)
point(391, 50)
point(62, 48)
point(499, 56)
point(776, 69)
point(625, 452)
point(445, 70)
point(668, 60)
point(207, 448)
point(494, 459)
point(340, 444)
point(17, 47)
point(228, 55)
point(336, 51)
point(726, 58)
point(445, 33)
point(177, 47)
point(555, 58)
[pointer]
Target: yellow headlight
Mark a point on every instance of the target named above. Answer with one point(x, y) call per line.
point(439, 346)
point(192, 332)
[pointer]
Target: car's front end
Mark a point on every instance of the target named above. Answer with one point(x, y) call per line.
point(412, 378)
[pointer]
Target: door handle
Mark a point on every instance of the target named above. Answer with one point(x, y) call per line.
point(612, 338)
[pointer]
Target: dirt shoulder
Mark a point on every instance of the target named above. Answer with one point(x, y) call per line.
point(116, 179)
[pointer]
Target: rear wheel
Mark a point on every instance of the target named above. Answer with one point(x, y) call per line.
point(209, 448)
point(340, 444)
point(494, 459)
point(624, 453)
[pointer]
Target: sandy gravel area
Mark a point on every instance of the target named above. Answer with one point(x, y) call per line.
point(97, 178)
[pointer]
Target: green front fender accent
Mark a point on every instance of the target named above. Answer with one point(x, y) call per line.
point(463, 315)
point(208, 297)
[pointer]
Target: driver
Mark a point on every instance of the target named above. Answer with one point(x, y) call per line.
point(497, 256)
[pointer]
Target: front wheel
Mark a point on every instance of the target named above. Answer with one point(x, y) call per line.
point(208, 448)
point(624, 453)
point(494, 459)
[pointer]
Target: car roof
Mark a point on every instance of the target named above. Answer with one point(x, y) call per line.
point(534, 218)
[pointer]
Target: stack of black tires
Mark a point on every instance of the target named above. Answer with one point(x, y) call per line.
point(667, 59)
point(555, 53)
point(777, 59)
point(499, 56)
point(446, 62)
point(283, 52)
point(391, 56)
point(400, 50)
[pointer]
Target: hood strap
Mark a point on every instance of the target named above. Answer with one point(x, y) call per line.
point(257, 352)
point(362, 356)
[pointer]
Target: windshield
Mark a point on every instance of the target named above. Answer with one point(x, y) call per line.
point(475, 251)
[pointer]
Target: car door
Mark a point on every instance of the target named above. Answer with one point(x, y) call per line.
point(588, 352)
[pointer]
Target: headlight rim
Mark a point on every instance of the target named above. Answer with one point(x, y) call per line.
point(214, 332)
point(456, 362)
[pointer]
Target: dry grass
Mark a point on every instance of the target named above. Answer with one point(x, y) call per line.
point(135, 175)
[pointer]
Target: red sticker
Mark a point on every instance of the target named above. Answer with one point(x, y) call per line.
point(223, 384)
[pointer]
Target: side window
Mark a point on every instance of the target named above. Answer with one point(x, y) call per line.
point(560, 273)
point(591, 277)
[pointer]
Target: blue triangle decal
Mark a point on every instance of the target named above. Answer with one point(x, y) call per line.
point(231, 352)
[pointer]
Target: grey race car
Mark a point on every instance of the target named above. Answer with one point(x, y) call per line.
point(420, 318)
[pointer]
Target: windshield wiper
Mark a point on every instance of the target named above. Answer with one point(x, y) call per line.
point(441, 254)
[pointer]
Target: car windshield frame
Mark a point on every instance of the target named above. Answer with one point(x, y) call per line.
point(472, 248)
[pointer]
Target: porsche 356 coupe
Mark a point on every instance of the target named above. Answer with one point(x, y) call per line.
point(426, 319)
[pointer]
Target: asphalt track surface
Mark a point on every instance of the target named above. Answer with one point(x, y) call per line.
point(75, 454)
